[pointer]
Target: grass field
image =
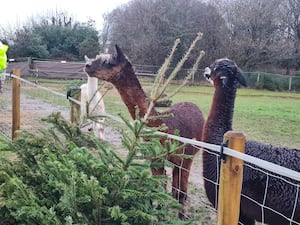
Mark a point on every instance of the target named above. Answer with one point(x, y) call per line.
point(270, 117)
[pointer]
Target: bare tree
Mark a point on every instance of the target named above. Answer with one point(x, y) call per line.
point(253, 28)
point(291, 16)
point(258, 34)
point(146, 29)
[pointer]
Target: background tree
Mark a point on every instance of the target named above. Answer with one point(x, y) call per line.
point(54, 36)
point(146, 29)
point(64, 42)
point(253, 26)
point(290, 11)
point(89, 47)
point(27, 43)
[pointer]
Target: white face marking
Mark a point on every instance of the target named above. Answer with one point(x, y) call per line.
point(207, 72)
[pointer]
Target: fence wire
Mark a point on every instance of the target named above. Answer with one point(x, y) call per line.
point(198, 204)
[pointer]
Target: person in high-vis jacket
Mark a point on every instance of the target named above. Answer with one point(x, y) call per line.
point(3, 61)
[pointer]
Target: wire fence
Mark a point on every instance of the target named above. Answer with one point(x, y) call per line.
point(273, 82)
point(74, 70)
point(197, 201)
point(264, 201)
point(257, 79)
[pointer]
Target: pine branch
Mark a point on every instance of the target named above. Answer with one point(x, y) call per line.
point(157, 92)
point(162, 71)
point(180, 64)
point(190, 75)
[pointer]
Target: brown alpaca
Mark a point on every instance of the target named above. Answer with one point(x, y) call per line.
point(186, 117)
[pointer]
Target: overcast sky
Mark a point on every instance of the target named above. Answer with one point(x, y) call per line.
point(18, 11)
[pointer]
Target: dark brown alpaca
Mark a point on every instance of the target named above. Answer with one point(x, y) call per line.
point(186, 117)
point(280, 195)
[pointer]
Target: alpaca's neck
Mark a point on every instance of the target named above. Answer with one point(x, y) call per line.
point(133, 95)
point(92, 86)
point(219, 120)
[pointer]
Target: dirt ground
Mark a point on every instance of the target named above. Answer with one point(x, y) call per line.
point(32, 109)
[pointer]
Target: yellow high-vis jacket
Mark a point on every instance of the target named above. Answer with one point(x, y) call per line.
point(3, 57)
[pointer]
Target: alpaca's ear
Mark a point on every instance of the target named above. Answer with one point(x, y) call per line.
point(241, 78)
point(119, 54)
point(86, 58)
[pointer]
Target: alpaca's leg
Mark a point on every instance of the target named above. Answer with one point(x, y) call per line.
point(95, 129)
point(175, 182)
point(159, 172)
point(180, 179)
point(100, 129)
point(177, 190)
point(101, 133)
point(180, 184)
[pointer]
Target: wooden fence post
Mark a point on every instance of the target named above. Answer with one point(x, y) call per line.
point(290, 83)
point(75, 108)
point(16, 104)
point(257, 79)
point(231, 176)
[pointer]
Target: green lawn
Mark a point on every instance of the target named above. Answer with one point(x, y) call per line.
point(266, 116)
point(270, 117)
